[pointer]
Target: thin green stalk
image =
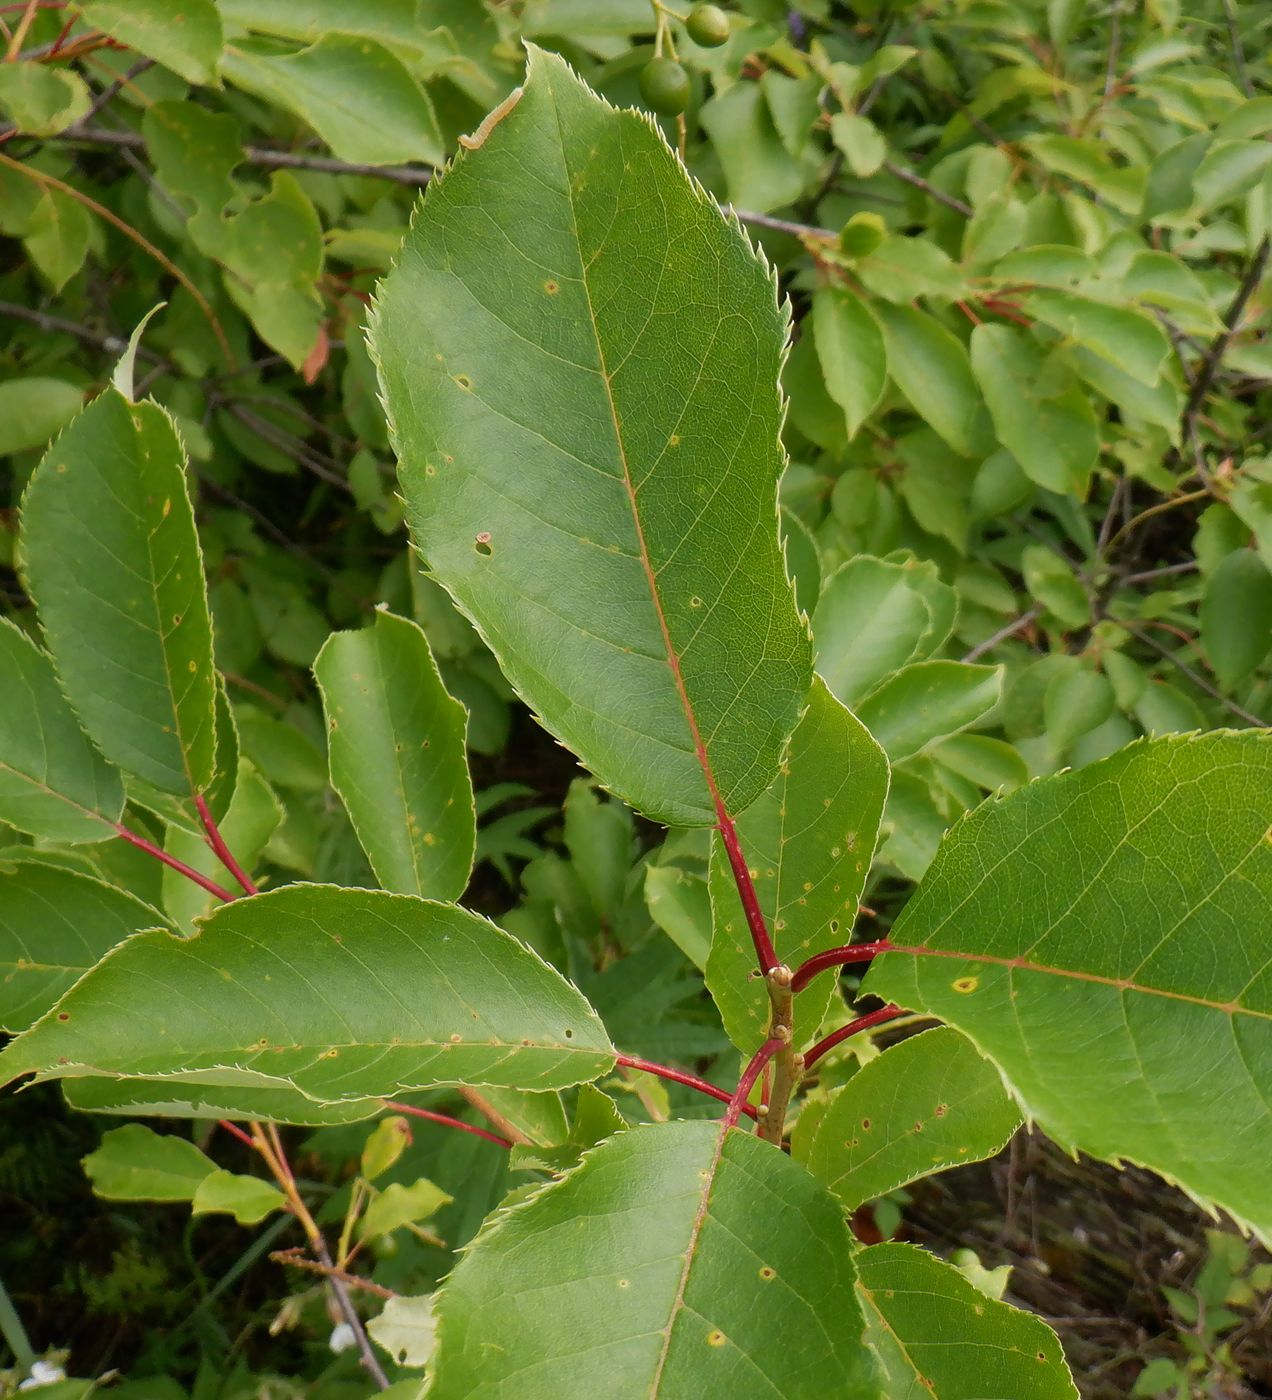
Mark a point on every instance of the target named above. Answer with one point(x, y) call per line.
point(12, 1330)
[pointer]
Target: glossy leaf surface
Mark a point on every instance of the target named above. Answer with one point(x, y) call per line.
point(926, 1104)
point(111, 557)
point(587, 469)
point(396, 747)
point(53, 782)
point(940, 1338)
point(668, 1264)
point(54, 925)
point(1102, 936)
point(338, 993)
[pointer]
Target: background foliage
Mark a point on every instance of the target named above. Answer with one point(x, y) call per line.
point(1025, 245)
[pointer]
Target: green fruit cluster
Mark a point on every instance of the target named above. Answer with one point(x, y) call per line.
point(664, 84)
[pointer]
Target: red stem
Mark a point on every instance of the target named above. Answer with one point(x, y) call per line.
point(448, 1121)
point(219, 848)
point(61, 38)
point(862, 1023)
point(679, 1077)
point(764, 951)
point(836, 957)
point(235, 1131)
point(738, 1103)
point(173, 863)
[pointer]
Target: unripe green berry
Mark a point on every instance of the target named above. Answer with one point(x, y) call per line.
point(664, 84)
point(708, 25)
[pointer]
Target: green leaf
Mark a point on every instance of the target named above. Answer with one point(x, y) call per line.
point(1087, 160)
point(273, 253)
point(252, 817)
point(595, 1117)
point(929, 1103)
point(1076, 702)
point(598, 836)
point(672, 1259)
point(55, 924)
point(1041, 415)
point(758, 171)
point(1236, 616)
point(1128, 340)
point(194, 153)
point(56, 237)
point(679, 903)
point(41, 100)
point(399, 1205)
point(184, 35)
point(874, 617)
point(1050, 579)
point(338, 993)
point(386, 1143)
point(173, 1099)
point(932, 370)
point(941, 1338)
point(861, 142)
point(247, 1198)
point(53, 783)
point(929, 701)
point(851, 351)
point(122, 376)
point(1126, 995)
point(396, 748)
point(357, 95)
point(899, 269)
point(589, 471)
point(33, 409)
point(128, 624)
point(134, 1163)
point(1229, 170)
point(809, 841)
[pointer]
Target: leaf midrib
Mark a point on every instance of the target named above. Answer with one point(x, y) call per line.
point(1122, 984)
point(651, 578)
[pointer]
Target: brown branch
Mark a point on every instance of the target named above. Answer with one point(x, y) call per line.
point(1017, 625)
point(1219, 346)
point(910, 177)
point(1199, 681)
point(264, 157)
point(296, 1260)
point(45, 321)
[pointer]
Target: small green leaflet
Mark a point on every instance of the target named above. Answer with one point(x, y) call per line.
point(876, 616)
point(590, 471)
point(939, 1338)
point(357, 95)
point(111, 557)
point(135, 1163)
point(54, 925)
point(53, 782)
point(247, 1198)
point(931, 368)
point(851, 351)
point(926, 1104)
point(184, 35)
point(396, 748)
point(1040, 412)
point(338, 993)
point(683, 1261)
point(175, 1098)
point(928, 701)
point(1102, 937)
point(809, 840)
